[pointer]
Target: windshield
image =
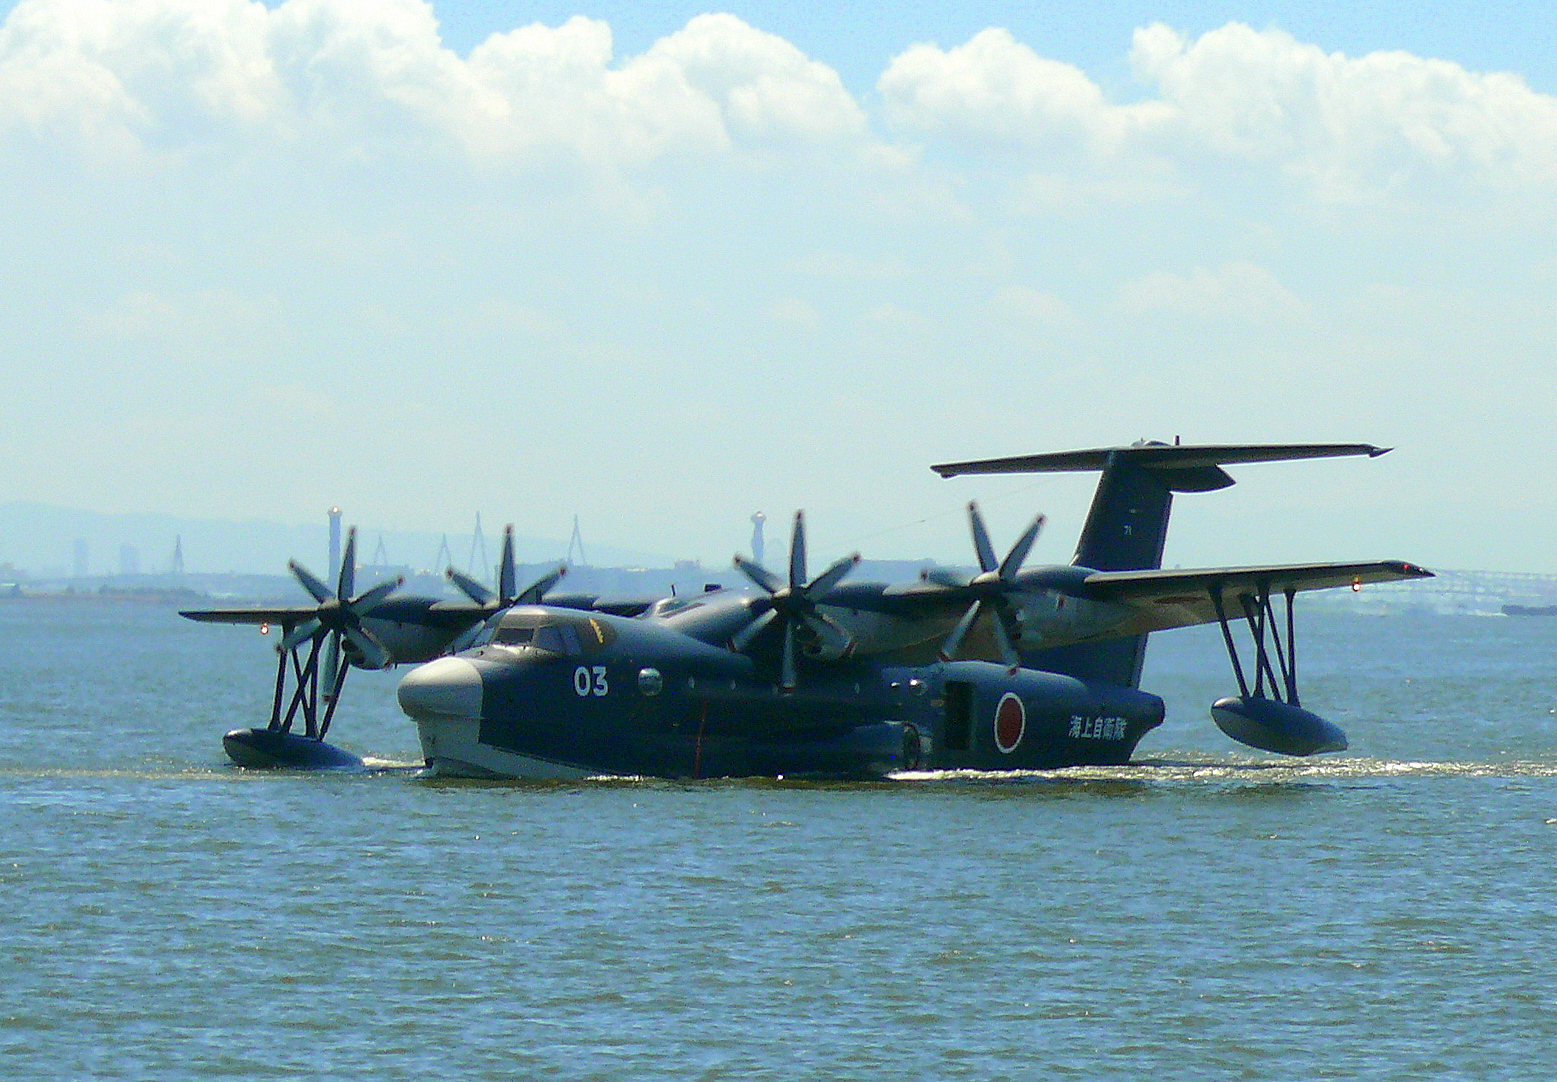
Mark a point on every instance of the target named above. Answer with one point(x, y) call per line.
point(570, 636)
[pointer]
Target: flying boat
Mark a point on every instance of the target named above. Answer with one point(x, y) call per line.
point(795, 675)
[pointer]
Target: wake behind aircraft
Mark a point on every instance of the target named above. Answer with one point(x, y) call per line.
point(1011, 669)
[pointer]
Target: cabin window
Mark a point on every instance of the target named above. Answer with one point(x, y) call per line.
point(556, 634)
point(558, 639)
point(959, 715)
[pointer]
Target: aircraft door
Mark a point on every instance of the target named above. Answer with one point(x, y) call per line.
point(959, 716)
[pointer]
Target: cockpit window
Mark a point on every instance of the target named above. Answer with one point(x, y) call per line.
point(669, 606)
point(566, 635)
point(559, 639)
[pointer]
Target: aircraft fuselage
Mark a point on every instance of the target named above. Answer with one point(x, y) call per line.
point(559, 693)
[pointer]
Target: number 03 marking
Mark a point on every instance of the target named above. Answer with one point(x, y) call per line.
point(590, 681)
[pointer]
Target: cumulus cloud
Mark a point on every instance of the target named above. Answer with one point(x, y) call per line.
point(1033, 307)
point(144, 81)
point(1351, 125)
point(1237, 290)
point(139, 77)
point(996, 91)
point(144, 314)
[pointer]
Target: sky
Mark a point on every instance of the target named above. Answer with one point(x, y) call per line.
point(660, 267)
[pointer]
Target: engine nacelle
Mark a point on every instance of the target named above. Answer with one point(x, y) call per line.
point(1276, 726)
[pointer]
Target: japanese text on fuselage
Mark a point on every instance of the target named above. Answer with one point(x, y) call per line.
point(1085, 728)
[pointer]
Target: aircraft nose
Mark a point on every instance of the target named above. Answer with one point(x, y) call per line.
point(449, 687)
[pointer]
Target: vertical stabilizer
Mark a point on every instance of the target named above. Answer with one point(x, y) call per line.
point(1127, 525)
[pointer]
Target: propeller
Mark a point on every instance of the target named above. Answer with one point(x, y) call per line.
point(991, 589)
point(793, 604)
point(507, 596)
point(339, 616)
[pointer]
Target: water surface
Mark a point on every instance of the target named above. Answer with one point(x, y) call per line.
point(1205, 912)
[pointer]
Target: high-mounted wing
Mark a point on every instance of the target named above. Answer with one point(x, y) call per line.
point(1171, 598)
point(280, 616)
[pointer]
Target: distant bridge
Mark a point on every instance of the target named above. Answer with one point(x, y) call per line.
point(1470, 592)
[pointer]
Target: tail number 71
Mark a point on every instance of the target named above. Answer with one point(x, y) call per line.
point(590, 681)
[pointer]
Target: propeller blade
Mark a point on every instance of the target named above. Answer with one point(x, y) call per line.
point(348, 579)
point(1008, 652)
point(797, 552)
point(821, 628)
point(793, 604)
point(506, 573)
point(533, 593)
point(300, 634)
point(954, 640)
point(469, 586)
point(981, 545)
point(332, 664)
point(759, 575)
point(368, 648)
point(310, 581)
point(748, 635)
point(361, 606)
point(787, 677)
point(481, 631)
point(832, 576)
point(1014, 559)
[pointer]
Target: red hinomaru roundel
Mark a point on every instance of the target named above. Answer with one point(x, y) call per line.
point(1010, 722)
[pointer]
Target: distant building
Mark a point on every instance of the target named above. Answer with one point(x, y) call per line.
point(79, 564)
point(129, 560)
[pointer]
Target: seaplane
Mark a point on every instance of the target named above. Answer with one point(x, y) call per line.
point(1009, 668)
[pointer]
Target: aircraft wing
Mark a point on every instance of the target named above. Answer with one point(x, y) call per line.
point(289, 615)
point(1172, 598)
point(420, 611)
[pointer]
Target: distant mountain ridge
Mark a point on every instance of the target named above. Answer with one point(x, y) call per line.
point(41, 540)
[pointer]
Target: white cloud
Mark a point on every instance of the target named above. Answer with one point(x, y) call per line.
point(852, 266)
point(203, 314)
point(1348, 128)
point(897, 318)
point(1352, 126)
point(995, 91)
point(795, 312)
point(138, 81)
point(1024, 304)
point(1237, 290)
point(351, 77)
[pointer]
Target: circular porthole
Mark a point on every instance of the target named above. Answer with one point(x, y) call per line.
point(650, 682)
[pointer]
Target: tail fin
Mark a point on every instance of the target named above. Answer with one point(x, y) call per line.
point(1127, 524)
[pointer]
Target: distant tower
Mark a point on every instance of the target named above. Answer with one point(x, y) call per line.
point(445, 557)
point(577, 540)
point(129, 560)
point(335, 544)
point(478, 542)
point(176, 567)
point(757, 520)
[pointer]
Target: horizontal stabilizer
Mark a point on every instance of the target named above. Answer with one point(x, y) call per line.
point(1183, 468)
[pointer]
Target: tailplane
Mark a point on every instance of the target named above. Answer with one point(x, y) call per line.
point(1127, 525)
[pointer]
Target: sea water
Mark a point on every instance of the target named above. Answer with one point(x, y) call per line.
point(1207, 912)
